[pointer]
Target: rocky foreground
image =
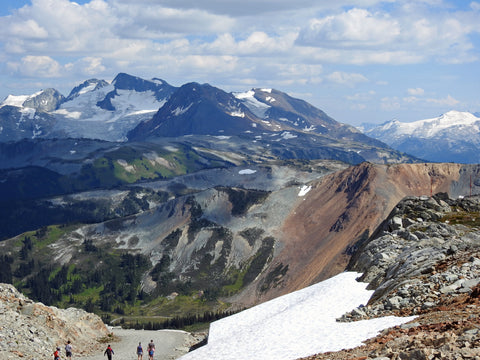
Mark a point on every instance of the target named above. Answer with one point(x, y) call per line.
point(32, 331)
point(424, 260)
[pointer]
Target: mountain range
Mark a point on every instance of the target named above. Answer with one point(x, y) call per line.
point(136, 198)
point(131, 109)
point(450, 137)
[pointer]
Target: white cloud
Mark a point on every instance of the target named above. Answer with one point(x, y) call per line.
point(90, 66)
point(416, 91)
point(390, 103)
point(340, 77)
point(353, 29)
point(475, 6)
point(364, 96)
point(291, 46)
point(395, 103)
point(402, 36)
point(37, 66)
point(447, 101)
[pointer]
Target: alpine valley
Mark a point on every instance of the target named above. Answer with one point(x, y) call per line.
point(136, 198)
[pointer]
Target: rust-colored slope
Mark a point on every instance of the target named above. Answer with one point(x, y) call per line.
point(341, 208)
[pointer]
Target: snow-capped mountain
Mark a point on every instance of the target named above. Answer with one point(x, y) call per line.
point(202, 109)
point(451, 137)
point(94, 109)
point(133, 109)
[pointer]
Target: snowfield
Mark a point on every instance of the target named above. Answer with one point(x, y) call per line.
point(295, 325)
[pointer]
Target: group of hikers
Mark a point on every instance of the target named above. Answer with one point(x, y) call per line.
point(68, 351)
point(109, 351)
point(150, 351)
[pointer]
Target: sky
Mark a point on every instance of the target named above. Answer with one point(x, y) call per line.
point(296, 325)
point(363, 61)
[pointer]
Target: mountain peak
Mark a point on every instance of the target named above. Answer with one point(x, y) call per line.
point(452, 136)
point(43, 100)
point(85, 87)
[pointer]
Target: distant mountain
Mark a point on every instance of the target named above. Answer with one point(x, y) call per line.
point(451, 137)
point(94, 109)
point(285, 127)
point(259, 122)
point(196, 109)
point(201, 109)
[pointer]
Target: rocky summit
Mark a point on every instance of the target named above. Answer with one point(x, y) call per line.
point(424, 260)
point(30, 330)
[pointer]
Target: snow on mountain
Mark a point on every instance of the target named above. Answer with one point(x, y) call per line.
point(94, 109)
point(17, 100)
point(131, 107)
point(449, 122)
point(257, 107)
point(451, 137)
point(295, 325)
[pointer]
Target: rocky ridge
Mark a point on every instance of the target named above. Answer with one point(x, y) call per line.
point(31, 330)
point(423, 260)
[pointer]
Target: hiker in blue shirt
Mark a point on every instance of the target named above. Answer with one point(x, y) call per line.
point(140, 351)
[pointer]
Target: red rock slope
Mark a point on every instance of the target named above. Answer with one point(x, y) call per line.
point(339, 210)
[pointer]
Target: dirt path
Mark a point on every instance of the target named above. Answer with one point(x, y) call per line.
point(169, 344)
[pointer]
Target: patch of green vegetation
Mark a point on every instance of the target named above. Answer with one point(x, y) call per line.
point(254, 266)
point(470, 219)
point(236, 276)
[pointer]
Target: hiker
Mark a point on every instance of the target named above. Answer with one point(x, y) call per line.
point(109, 352)
point(151, 350)
point(56, 354)
point(68, 350)
point(139, 351)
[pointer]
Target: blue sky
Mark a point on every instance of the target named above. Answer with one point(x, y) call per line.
point(359, 61)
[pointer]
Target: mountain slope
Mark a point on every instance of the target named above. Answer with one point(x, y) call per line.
point(451, 137)
point(423, 260)
point(317, 240)
point(244, 245)
point(197, 109)
point(94, 109)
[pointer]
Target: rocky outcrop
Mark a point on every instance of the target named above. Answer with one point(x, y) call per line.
point(32, 330)
point(423, 260)
point(325, 226)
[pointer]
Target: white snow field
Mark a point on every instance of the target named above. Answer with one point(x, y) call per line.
point(295, 325)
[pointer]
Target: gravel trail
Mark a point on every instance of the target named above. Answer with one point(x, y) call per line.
point(169, 344)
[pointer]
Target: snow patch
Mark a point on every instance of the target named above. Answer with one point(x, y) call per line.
point(181, 110)
point(296, 325)
point(18, 100)
point(27, 112)
point(247, 172)
point(87, 89)
point(288, 135)
point(69, 114)
point(170, 148)
point(257, 107)
point(238, 114)
point(304, 190)
point(126, 166)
